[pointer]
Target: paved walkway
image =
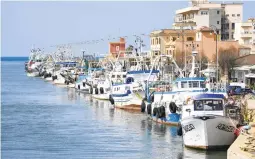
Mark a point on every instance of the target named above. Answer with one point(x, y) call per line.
point(244, 146)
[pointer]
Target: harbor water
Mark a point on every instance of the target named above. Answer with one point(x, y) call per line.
point(42, 120)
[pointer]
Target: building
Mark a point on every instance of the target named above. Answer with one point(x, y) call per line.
point(181, 42)
point(117, 48)
point(245, 35)
point(163, 41)
point(203, 13)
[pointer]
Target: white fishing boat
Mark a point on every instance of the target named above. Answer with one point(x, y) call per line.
point(132, 91)
point(168, 99)
point(205, 124)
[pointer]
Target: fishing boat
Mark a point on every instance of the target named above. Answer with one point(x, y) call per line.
point(167, 100)
point(34, 62)
point(204, 123)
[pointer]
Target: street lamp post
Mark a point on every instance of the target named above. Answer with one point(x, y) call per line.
point(217, 57)
point(182, 33)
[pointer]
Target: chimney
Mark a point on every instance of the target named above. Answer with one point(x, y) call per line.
point(122, 40)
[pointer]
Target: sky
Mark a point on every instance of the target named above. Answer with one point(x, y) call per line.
point(43, 24)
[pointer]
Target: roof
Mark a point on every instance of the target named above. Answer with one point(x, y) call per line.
point(207, 95)
point(244, 47)
point(246, 60)
point(169, 31)
point(242, 68)
point(117, 42)
point(191, 79)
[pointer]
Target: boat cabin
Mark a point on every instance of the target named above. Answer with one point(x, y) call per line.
point(186, 84)
point(118, 77)
point(201, 104)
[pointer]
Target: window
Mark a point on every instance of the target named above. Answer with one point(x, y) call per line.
point(197, 45)
point(193, 84)
point(184, 84)
point(204, 12)
point(202, 84)
point(174, 38)
point(159, 41)
point(118, 76)
point(218, 22)
point(232, 36)
point(238, 15)
point(117, 48)
point(218, 12)
point(113, 76)
point(208, 105)
point(190, 84)
point(240, 74)
point(190, 38)
point(233, 15)
point(124, 76)
point(233, 25)
point(227, 15)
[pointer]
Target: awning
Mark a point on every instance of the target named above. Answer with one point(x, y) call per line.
point(243, 68)
point(208, 70)
point(250, 75)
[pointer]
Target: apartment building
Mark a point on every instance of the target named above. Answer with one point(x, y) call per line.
point(163, 41)
point(200, 13)
point(181, 42)
point(245, 35)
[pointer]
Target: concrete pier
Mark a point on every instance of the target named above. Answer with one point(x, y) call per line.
point(244, 146)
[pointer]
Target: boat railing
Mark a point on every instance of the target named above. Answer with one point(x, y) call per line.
point(161, 88)
point(218, 87)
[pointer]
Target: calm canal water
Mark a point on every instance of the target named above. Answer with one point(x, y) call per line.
point(40, 120)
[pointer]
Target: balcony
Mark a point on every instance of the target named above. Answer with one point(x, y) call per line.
point(246, 24)
point(155, 47)
point(246, 35)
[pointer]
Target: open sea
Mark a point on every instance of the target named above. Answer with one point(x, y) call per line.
point(44, 121)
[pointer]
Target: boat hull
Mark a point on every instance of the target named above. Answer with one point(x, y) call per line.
point(132, 100)
point(33, 74)
point(101, 96)
point(208, 132)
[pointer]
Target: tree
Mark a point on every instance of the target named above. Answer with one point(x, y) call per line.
point(227, 59)
point(178, 58)
point(130, 48)
point(204, 61)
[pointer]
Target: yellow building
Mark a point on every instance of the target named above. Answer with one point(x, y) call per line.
point(163, 42)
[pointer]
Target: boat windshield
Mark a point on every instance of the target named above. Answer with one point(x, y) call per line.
point(208, 105)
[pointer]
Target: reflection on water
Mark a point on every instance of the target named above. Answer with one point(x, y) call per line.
point(42, 120)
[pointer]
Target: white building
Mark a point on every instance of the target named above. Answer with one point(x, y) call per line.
point(245, 34)
point(203, 13)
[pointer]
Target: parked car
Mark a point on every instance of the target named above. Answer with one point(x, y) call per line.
point(234, 90)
